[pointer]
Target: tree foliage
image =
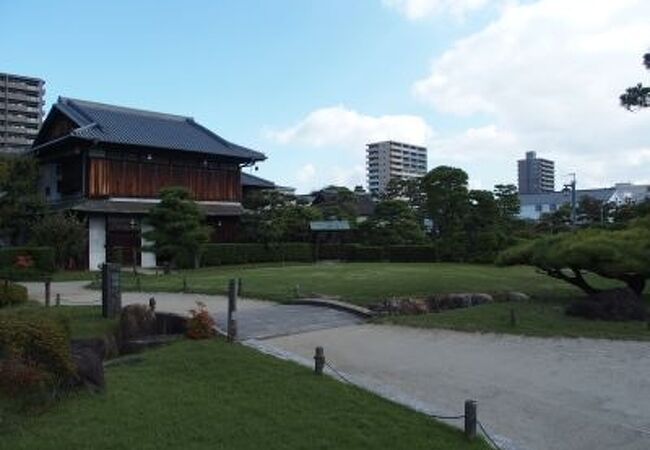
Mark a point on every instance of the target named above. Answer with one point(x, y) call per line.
point(65, 233)
point(617, 254)
point(394, 223)
point(637, 97)
point(447, 198)
point(20, 202)
point(178, 227)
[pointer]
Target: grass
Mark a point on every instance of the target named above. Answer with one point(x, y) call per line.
point(208, 394)
point(83, 321)
point(360, 283)
point(366, 283)
point(531, 318)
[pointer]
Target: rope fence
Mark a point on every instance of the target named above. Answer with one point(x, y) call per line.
point(470, 417)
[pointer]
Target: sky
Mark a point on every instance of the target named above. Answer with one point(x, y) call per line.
point(310, 83)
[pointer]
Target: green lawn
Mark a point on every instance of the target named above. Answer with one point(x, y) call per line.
point(360, 283)
point(208, 394)
point(531, 318)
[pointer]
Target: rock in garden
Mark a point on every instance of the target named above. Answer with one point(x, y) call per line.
point(89, 367)
point(513, 296)
point(137, 321)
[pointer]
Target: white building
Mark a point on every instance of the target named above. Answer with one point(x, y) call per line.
point(389, 159)
point(534, 205)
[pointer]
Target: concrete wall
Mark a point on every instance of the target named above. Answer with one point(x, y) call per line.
point(96, 241)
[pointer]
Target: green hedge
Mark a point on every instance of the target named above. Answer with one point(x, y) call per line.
point(219, 254)
point(11, 294)
point(22, 263)
point(364, 253)
point(412, 253)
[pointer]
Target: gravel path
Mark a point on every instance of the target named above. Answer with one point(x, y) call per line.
point(533, 393)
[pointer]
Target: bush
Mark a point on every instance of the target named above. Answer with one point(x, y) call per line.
point(34, 352)
point(23, 263)
point(11, 294)
point(614, 304)
point(364, 253)
point(412, 253)
point(200, 325)
point(330, 251)
point(220, 254)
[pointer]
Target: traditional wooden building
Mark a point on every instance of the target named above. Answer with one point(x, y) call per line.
point(109, 163)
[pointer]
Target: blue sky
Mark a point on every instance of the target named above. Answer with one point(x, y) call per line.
point(309, 82)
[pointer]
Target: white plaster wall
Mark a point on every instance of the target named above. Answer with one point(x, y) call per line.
point(148, 259)
point(96, 242)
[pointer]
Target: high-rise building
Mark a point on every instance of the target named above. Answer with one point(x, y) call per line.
point(536, 175)
point(389, 159)
point(21, 111)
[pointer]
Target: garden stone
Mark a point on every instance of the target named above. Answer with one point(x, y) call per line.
point(89, 368)
point(137, 321)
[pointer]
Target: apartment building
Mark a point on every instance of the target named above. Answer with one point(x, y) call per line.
point(390, 159)
point(21, 111)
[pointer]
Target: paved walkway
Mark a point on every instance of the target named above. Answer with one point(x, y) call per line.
point(533, 393)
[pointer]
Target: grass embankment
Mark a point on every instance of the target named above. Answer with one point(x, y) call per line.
point(208, 394)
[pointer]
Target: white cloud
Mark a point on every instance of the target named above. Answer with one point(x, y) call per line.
point(547, 75)
point(342, 127)
point(419, 9)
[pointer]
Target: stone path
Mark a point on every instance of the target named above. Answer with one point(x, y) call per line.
point(282, 320)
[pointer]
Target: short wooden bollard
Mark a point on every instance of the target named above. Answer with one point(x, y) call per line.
point(232, 309)
point(239, 286)
point(184, 284)
point(513, 318)
point(57, 300)
point(319, 361)
point(470, 419)
point(297, 291)
point(48, 293)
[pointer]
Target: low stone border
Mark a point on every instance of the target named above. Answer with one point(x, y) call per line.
point(336, 304)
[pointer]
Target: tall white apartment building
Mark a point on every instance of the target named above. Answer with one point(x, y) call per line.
point(389, 159)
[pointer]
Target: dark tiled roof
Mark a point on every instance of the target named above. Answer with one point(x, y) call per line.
point(559, 198)
point(135, 207)
point(120, 125)
point(248, 180)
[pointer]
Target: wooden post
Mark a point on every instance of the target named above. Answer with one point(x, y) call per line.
point(513, 318)
point(58, 299)
point(239, 286)
point(138, 286)
point(47, 292)
point(184, 283)
point(232, 309)
point(319, 361)
point(470, 419)
point(297, 291)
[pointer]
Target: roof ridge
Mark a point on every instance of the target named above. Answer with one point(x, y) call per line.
point(125, 109)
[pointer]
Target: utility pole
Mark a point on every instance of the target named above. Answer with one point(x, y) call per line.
point(571, 187)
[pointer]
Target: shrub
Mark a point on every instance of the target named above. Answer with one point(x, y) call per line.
point(364, 253)
point(412, 253)
point(330, 251)
point(200, 325)
point(11, 294)
point(34, 352)
point(218, 254)
point(22, 263)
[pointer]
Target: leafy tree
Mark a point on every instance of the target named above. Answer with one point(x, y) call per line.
point(591, 210)
point(637, 97)
point(507, 200)
point(275, 217)
point(393, 223)
point(447, 198)
point(178, 227)
point(482, 225)
point(408, 190)
point(20, 202)
point(65, 233)
point(626, 212)
point(618, 254)
point(555, 222)
point(336, 202)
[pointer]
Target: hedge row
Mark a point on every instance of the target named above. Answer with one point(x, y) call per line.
point(21, 263)
point(220, 254)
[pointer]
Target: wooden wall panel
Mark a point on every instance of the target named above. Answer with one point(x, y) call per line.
point(119, 178)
